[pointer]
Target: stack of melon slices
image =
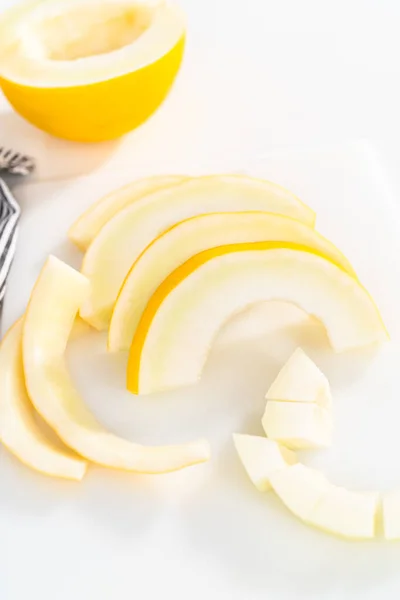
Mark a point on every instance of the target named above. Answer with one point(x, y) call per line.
point(173, 264)
point(168, 260)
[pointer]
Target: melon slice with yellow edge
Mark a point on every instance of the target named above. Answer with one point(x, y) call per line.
point(184, 315)
point(87, 226)
point(89, 70)
point(121, 241)
point(183, 240)
point(19, 431)
point(50, 314)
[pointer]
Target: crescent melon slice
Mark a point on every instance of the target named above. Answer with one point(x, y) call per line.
point(19, 431)
point(194, 235)
point(87, 226)
point(55, 300)
point(121, 241)
point(184, 315)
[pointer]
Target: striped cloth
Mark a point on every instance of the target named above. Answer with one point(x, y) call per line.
point(9, 218)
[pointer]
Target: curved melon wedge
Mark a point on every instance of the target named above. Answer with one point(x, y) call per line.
point(19, 431)
point(87, 226)
point(184, 315)
point(123, 239)
point(51, 311)
point(183, 240)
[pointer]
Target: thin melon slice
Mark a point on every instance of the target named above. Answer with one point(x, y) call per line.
point(189, 237)
point(19, 431)
point(88, 225)
point(123, 239)
point(89, 70)
point(261, 457)
point(184, 315)
point(58, 293)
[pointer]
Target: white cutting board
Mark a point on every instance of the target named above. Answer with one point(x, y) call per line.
point(206, 532)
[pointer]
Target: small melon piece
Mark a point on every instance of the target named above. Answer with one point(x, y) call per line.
point(261, 457)
point(52, 308)
point(87, 226)
point(184, 315)
point(298, 425)
point(187, 238)
point(300, 380)
point(391, 515)
point(19, 431)
point(120, 242)
point(346, 513)
point(300, 488)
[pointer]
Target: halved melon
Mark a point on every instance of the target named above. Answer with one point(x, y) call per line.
point(189, 237)
point(89, 70)
point(51, 311)
point(123, 239)
point(19, 431)
point(183, 317)
point(88, 225)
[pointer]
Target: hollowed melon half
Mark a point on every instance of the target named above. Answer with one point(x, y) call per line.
point(89, 70)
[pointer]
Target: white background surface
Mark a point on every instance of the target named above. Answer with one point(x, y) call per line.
point(206, 531)
point(258, 77)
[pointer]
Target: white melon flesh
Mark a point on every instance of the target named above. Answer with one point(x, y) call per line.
point(52, 308)
point(261, 457)
point(51, 43)
point(309, 495)
point(347, 514)
point(183, 317)
point(298, 425)
point(391, 515)
point(192, 236)
point(88, 225)
point(300, 380)
point(121, 241)
point(300, 488)
point(19, 430)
